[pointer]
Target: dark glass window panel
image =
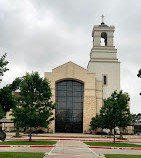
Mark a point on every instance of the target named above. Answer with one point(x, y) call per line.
point(77, 106)
point(69, 119)
point(68, 127)
point(82, 88)
point(61, 88)
point(69, 105)
point(60, 123)
point(69, 99)
point(62, 83)
point(69, 113)
point(60, 127)
point(61, 105)
point(69, 93)
point(77, 84)
point(77, 113)
point(105, 80)
point(77, 119)
point(60, 120)
point(61, 99)
point(77, 94)
point(77, 99)
point(77, 88)
point(60, 113)
point(61, 93)
point(77, 127)
point(69, 85)
point(69, 108)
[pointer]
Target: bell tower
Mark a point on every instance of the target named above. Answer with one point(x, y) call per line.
point(103, 58)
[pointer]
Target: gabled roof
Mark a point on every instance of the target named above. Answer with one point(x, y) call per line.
point(70, 62)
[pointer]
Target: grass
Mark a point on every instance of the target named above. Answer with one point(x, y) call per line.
point(121, 156)
point(21, 155)
point(111, 144)
point(18, 142)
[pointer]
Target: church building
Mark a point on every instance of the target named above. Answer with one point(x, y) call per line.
point(79, 92)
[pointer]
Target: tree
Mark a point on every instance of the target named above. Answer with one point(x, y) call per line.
point(3, 64)
point(139, 75)
point(34, 108)
point(7, 100)
point(95, 122)
point(115, 112)
point(1, 113)
point(136, 118)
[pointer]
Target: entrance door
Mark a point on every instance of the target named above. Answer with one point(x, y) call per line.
point(69, 107)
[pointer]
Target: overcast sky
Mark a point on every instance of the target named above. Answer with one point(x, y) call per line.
point(40, 35)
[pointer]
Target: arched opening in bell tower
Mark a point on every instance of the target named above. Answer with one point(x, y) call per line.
point(103, 41)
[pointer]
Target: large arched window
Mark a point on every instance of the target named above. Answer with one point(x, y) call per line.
point(69, 106)
point(103, 39)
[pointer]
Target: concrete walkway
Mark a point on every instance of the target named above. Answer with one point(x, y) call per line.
point(71, 149)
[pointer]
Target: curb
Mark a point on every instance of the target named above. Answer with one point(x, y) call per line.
point(84, 140)
point(45, 146)
point(123, 148)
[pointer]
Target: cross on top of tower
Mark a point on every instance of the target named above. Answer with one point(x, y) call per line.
point(102, 18)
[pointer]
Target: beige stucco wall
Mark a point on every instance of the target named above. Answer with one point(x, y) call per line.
point(99, 96)
point(96, 34)
point(92, 97)
point(104, 61)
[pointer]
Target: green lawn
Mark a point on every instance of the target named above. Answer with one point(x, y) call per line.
point(111, 144)
point(121, 156)
point(21, 155)
point(18, 142)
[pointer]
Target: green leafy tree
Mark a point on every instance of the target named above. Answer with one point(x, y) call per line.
point(139, 75)
point(115, 112)
point(3, 64)
point(3, 68)
point(7, 100)
point(34, 108)
point(1, 113)
point(96, 122)
point(136, 118)
point(15, 84)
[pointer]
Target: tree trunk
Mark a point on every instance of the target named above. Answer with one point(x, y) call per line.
point(17, 132)
point(1, 127)
point(114, 136)
point(121, 131)
point(30, 135)
point(111, 131)
point(101, 131)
